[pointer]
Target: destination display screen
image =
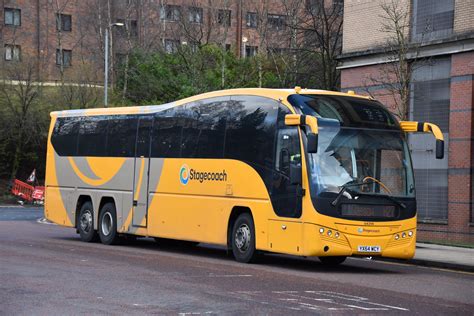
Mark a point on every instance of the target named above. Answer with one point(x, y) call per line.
point(367, 210)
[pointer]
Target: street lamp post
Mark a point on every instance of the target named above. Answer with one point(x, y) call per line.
point(106, 62)
point(244, 47)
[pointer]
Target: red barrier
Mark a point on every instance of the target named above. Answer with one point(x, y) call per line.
point(27, 192)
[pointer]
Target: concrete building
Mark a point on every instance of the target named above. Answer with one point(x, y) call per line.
point(440, 40)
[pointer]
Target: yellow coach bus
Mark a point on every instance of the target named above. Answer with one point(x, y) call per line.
point(294, 171)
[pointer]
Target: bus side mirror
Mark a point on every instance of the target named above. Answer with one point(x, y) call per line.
point(311, 122)
point(439, 149)
point(424, 127)
point(312, 143)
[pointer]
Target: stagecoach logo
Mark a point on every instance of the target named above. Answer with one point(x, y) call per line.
point(184, 174)
point(360, 230)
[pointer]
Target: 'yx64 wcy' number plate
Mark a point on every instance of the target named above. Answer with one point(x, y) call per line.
point(369, 249)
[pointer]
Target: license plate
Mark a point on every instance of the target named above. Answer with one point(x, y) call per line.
point(369, 249)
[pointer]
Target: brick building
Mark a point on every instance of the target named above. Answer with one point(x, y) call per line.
point(66, 37)
point(440, 41)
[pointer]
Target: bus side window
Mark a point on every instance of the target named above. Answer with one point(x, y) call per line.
point(250, 132)
point(166, 135)
point(287, 152)
point(64, 137)
point(92, 139)
point(212, 118)
point(121, 136)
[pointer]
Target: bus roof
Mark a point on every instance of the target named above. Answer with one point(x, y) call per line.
point(277, 94)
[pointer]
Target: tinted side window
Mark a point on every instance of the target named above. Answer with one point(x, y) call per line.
point(143, 136)
point(283, 194)
point(212, 128)
point(251, 130)
point(189, 122)
point(204, 126)
point(64, 137)
point(92, 139)
point(166, 135)
point(121, 136)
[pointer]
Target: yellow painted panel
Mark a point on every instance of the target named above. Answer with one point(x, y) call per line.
point(54, 209)
point(286, 237)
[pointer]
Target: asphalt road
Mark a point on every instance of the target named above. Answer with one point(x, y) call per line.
point(46, 269)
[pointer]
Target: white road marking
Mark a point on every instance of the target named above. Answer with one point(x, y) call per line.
point(45, 221)
point(297, 298)
point(211, 275)
point(356, 299)
point(309, 306)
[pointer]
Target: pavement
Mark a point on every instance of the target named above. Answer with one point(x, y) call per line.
point(456, 258)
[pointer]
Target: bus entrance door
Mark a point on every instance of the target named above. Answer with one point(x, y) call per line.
point(142, 165)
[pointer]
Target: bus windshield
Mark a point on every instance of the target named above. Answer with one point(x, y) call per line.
point(364, 161)
point(362, 155)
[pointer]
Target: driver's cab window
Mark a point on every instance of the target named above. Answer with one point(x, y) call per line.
point(285, 200)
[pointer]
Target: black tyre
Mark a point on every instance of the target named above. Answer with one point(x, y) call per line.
point(85, 224)
point(243, 239)
point(332, 261)
point(108, 225)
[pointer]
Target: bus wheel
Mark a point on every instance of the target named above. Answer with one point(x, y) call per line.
point(85, 225)
point(332, 261)
point(108, 225)
point(243, 239)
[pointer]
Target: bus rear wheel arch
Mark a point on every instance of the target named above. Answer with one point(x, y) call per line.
point(108, 224)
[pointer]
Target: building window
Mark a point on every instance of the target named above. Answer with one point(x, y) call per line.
point(314, 7)
point(63, 22)
point(338, 7)
point(12, 17)
point(252, 19)
point(224, 17)
point(251, 51)
point(130, 26)
point(430, 97)
point(432, 19)
point(12, 52)
point(171, 46)
point(195, 15)
point(133, 28)
point(170, 13)
point(63, 57)
point(276, 22)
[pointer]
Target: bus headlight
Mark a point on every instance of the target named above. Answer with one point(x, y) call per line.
point(410, 233)
point(404, 235)
point(336, 235)
point(329, 232)
point(321, 230)
point(397, 237)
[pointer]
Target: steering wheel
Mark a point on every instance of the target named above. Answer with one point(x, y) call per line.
point(379, 182)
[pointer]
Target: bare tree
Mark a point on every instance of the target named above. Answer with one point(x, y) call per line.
point(20, 92)
point(320, 28)
point(402, 58)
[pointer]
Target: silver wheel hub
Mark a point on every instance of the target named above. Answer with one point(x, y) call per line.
point(242, 237)
point(107, 224)
point(86, 221)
